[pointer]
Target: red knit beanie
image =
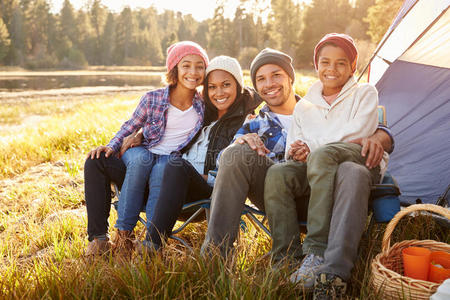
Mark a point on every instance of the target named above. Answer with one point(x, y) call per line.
point(341, 40)
point(179, 50)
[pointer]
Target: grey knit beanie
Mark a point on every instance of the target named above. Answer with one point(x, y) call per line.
point(272, 56)
point(229, 64)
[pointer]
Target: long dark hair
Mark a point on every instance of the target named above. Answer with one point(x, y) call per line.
point(211, 112)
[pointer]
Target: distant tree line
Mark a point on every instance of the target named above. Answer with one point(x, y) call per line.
point(33, 37)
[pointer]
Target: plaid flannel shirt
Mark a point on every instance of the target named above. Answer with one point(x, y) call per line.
point(269, 128)
point(151, 116)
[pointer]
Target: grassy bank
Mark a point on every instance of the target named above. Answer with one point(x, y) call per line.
point(43, 220)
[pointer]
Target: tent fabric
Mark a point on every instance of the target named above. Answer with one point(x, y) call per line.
point(410, 26)
point(434, 47)
point(411, 71)
point(417, 101)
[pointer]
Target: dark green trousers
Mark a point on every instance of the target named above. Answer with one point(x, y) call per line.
point(290, 180)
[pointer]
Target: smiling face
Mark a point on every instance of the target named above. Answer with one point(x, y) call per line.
point(191, 71)
point(334, 69)
point(273, 85)
point(222, 90)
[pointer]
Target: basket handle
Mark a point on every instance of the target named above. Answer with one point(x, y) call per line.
point(386, 244)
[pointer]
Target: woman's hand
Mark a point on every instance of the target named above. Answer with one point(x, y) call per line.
point(95, 153)
point(133, 140)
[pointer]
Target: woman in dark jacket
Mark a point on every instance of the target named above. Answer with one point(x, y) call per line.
point(185, 177)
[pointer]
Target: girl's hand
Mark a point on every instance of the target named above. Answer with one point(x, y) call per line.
point(95, 153)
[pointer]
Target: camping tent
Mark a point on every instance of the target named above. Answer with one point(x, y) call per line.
point(411, 70)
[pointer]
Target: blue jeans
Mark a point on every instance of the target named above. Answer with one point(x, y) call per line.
point(182, 184)
point(143, 168)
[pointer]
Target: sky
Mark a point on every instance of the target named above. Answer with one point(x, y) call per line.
point(199, 9)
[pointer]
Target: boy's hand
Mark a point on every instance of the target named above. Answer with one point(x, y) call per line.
point(299, 151)
point(371, 149)
point(133, 140)
point(95, 153)
point(254, 142)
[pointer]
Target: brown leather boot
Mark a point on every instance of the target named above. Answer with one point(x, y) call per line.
point(123, 243)
point(98, 247)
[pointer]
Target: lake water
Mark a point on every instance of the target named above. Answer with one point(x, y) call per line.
point(29, 83)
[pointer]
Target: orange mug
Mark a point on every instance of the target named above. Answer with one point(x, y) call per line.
point(439, 266)
point(416, 262)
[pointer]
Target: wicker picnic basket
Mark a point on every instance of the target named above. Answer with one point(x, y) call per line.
point(387, 266)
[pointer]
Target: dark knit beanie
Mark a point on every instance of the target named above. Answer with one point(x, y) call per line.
point(271, 56)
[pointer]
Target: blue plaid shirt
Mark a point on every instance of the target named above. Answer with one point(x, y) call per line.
point(269, 128)
point(151, 116)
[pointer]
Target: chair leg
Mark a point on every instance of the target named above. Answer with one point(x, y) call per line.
point(371, 224)
point(116, 190)
point(257, 223)
point(142, 220)
point(172, 236)
point(183, 242)
point(207, 213)
point(194, 215)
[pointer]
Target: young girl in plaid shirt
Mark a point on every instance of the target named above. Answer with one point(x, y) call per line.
point(170, 118)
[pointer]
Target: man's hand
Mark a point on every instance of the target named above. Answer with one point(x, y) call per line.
point(371, 149)
point(133, 140)
point(299, 151)
point(255, 142)
point(374, 146)
point(95, 153)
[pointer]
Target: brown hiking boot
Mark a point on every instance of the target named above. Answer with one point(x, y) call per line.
point(98, 247)
point(145, 248)
point(123, 243)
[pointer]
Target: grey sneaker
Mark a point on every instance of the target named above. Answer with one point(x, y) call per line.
point(329, 286)
point(305, 275)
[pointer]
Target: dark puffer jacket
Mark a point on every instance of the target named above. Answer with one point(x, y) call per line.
point(223, 131)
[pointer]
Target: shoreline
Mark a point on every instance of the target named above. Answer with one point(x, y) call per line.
point(17, 97)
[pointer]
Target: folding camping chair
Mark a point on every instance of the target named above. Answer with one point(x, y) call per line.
point(384, 204)
point(194, 210)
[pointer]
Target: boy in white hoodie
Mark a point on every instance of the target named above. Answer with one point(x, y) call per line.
point(335, 111)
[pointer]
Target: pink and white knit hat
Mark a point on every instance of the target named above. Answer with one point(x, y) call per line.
point(179, 50)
